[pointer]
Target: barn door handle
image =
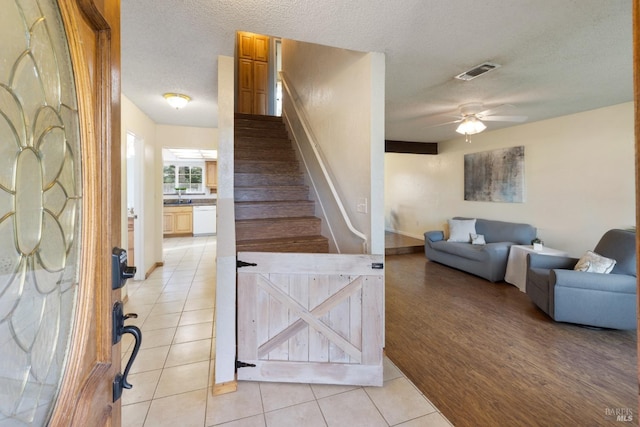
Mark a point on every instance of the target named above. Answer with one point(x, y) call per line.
point(120, 382)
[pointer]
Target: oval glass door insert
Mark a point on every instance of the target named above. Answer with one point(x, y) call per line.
point(40, 208)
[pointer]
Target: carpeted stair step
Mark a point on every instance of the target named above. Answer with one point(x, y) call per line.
point(274, 209)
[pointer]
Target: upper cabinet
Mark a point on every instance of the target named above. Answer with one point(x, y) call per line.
point(253, 73)
point(211, 173)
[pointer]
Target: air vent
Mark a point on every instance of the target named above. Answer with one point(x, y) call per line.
point(477, 71)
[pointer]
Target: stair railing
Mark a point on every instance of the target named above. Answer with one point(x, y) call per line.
point(316, 151)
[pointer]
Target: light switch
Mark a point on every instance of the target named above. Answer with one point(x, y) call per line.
point(362, 205)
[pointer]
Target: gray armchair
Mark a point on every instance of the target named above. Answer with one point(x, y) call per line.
point(593, 299)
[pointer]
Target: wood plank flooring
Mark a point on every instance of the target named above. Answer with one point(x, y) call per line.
point(486, 356)
point(396, 244)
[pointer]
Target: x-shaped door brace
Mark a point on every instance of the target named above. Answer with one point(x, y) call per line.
point(310, 317)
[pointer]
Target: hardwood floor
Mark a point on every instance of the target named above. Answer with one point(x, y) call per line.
point(486, 356)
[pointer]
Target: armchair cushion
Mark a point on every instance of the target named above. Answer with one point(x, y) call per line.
point(591, 262)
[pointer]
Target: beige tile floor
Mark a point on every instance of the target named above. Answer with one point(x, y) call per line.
point(172, 375)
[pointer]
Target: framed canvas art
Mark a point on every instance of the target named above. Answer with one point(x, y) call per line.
point(495, 176)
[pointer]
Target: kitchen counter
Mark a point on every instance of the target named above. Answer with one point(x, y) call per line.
point(190, 202)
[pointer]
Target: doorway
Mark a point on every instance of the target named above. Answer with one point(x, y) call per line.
point(135, 206)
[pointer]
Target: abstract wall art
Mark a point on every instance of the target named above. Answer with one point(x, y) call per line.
point(495, 176)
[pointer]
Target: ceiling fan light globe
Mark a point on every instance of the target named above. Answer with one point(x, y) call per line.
point(470, 126)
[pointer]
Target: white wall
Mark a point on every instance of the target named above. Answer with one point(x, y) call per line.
point(342, 95)
point(579, 180)
point(226, 241)
point(187, 137)
point(136, 122)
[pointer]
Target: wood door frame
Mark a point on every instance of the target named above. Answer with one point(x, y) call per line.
point(636, 112)
point(93, 33)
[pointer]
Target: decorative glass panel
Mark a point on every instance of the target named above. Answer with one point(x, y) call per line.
point(40, 204)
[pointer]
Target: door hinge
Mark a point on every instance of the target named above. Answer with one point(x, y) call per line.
point(241, 364)
point(377, 266)
point(240, 264)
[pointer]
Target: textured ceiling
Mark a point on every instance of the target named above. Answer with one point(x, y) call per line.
point(558, 56)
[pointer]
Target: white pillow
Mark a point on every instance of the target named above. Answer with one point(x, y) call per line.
point(591, 262)
point(460, 230)
point(478, 239)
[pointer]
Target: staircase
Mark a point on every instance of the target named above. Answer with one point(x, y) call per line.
point(272, 206)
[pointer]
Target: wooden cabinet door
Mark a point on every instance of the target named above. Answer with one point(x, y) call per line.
point(260, 87)
point(245, 86)
point(168, 223)
point(212, 174)
point(245, 45)
point(261, 48)
point(184, 221)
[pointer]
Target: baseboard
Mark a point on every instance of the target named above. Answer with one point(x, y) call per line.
point(153, 267)
point(403, 233)
point(224, 388)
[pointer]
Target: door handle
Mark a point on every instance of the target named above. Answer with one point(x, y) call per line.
point(120, 382)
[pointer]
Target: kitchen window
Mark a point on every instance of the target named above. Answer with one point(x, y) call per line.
point(185, 177)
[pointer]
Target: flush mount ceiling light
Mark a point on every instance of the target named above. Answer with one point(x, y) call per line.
point(177, 100)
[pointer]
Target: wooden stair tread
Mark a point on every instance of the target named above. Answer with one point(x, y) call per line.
point(278, 220)
point(273, 202)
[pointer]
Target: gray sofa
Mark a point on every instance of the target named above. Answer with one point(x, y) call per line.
point(489, 260)
point(588, 298)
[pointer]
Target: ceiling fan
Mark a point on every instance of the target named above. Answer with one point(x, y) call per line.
point(473, 114)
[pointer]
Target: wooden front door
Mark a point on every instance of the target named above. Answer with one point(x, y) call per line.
point(59, 211)
point(311, 318)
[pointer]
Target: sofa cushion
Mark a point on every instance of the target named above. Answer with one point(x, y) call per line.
point(464, 250)
point(478, 239)
point(592, 262)
point(460, 230)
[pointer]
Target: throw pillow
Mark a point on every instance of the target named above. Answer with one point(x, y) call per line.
point(477, 239)
point(591, 262)
point(460, 230)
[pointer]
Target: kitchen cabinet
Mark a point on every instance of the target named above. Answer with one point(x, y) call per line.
point(211, 172)
point(253, 73)
point(177, 221)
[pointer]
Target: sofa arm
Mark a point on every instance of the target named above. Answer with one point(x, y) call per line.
point(620, 283)
point(433, 236)
point(550, 261)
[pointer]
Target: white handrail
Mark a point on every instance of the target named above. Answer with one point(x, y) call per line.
point(325, 172)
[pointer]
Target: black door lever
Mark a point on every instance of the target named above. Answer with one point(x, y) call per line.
point(120, 382)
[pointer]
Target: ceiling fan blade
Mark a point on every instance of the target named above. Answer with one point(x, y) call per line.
point(492, 110)
point(442, 124)
point(517, 119)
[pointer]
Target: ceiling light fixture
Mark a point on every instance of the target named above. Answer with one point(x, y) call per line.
point(177, 100)
point(470, 125)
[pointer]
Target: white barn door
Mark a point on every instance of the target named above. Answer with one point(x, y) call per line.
point(311, 318)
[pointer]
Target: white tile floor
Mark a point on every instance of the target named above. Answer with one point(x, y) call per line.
point(172, 375)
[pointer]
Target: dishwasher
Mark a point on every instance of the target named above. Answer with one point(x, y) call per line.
point(204, 220)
